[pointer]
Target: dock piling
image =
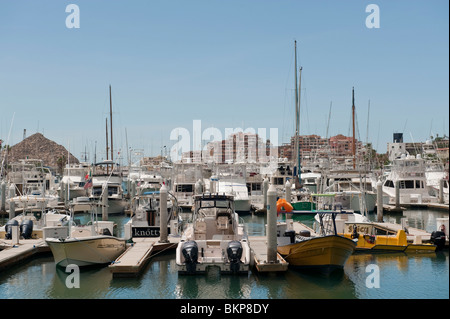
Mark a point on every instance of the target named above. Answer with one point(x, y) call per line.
point(288, 191)
point(379, 201)
point(105, 202)
point(272, 224)
point(163, 214)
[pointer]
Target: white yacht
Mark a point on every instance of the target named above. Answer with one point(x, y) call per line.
point(108, 173)
point(409, 172)
point(215, 238)
point(75, 176)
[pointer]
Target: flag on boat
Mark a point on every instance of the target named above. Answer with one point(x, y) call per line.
point(88, 181)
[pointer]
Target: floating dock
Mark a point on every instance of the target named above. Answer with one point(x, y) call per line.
point(134, 259)
point(258, 246)
point(11, 254)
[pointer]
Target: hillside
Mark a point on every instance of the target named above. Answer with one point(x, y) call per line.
point(37, 146)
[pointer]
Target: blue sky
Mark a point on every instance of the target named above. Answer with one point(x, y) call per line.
point(226, 63)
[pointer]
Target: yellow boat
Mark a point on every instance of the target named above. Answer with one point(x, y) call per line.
point(375, 238)
point(325, 253)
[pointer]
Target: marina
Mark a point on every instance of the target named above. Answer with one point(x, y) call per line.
point(224, 159)
point(158, 278)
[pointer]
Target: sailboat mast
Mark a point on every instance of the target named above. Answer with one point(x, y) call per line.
point(296, 139)
point(353, 123)
point(107, 148)
point(110, 116)
point(298, 133)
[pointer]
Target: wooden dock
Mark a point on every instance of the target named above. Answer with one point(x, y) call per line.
point(258, 246)
point(12, 254)
point(135, 258)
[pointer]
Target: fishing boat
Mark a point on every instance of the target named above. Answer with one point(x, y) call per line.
point(38, 224)
point(215, 238)
point(87, 245)
point(325, 251)
point(372, 237)
point(146, 216)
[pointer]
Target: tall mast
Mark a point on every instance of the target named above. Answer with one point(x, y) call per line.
point(296, 139)
point(107, 148)
point(353, 123)
point(110, 116)
point(298, 119)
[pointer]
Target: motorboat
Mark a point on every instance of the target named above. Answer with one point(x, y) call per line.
point(214, 238)
point(324, 251)
point(87, 245)
point(145, 220)
point(408, 172)
point(35, 224)
point(107, 176)
point(75, 176)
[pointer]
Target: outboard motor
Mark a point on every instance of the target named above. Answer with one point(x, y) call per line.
point(26, 228)
point(291, 235)
point(190, 253)
point(8, 228)
point(105, 231)
point(234, 252)
point(305, 233)
point(438, 239)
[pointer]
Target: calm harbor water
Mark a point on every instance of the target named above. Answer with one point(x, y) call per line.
point(402, 276)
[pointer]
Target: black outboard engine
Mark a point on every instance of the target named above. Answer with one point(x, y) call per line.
point(291, 235)
point(8, 228)
point(190, 253)
point(234, 252)
point(438, 239)
point(26, 228)
point(105, 231)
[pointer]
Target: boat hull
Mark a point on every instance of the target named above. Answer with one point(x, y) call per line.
point(86, 251)
point(325, 253)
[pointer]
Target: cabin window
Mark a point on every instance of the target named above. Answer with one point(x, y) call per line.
point(389, 183)
point(184, 188)
point(406, 184)
point(278, 181)
point(113, 191)
point(418, 184)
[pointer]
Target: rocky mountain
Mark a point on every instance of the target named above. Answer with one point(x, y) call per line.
point(37, 146)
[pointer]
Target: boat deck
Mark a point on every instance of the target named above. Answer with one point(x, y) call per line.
point(412, 235)
point(134, 259)
point(12, 254)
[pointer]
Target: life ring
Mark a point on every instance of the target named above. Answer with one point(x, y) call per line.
point(284, 206)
